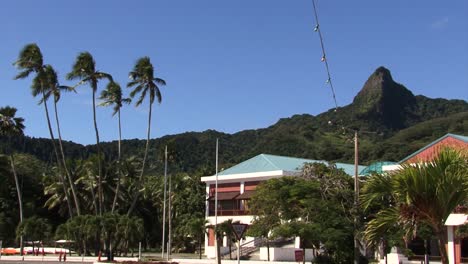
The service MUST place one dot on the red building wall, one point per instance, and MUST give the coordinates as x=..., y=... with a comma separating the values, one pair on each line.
x=225, y=187
x=432, y=151
x=250, y=186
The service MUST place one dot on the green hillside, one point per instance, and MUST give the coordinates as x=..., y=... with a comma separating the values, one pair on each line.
x=392, y=123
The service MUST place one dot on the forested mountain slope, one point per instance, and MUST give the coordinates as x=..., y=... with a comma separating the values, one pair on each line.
x=392, y=123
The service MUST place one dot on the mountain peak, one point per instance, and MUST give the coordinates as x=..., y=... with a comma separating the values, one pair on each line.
x=374, y=87
x=384, y=100
x=383, y=71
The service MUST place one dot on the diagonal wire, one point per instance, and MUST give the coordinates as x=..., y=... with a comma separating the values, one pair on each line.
x=324, y=57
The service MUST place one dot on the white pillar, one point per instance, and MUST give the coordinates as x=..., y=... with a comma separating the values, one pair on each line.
x=297, y=242
x=450, y=245
x=207, y=202
x=242, y=187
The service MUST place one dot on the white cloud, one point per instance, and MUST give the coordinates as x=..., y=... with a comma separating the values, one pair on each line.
x=440, y=23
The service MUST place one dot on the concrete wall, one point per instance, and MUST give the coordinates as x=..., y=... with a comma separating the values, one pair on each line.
x=210, y=252
x=283, y=254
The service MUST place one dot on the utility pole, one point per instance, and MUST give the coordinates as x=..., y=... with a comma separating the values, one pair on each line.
x=169, y=235
x=163, y=244
x=357, y=252
x=218, y=259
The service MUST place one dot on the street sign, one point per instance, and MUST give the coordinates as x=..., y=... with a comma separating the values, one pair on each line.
x=239, y=229
x=298, y=255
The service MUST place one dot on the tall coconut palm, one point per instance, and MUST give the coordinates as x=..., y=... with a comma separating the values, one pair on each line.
x=30, y=60
x=54, y=88
x=11, y=126
x=112, y=96
x=84, y=69
x=144, y=83
x=424, y=194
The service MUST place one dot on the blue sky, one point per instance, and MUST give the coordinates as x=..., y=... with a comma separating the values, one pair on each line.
x=232, y=65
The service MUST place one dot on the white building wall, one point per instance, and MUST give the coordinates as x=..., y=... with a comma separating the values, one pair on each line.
x=284, y=254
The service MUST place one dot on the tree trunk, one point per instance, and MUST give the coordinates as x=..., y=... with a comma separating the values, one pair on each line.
x=441, y=235
x=218, y=248
x=268, y=248
x=230, y=247
x=64, y=163
x=140, y=179
x=93, y=196
x=199, y=246
x=67, y=195
x=98, y=153
x=117, y=188
x=20, y=198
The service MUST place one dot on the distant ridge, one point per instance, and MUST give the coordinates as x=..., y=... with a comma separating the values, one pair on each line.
x=400, y=121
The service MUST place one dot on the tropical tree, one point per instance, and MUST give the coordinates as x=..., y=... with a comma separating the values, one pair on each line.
x=54, y=190
x=422, y=194
x=225, y=229
x=11, y=126
x=144, y=83
x=112, y=96
x=196, y=227
x=30, y=60
x=55, y=89
x=84, y=69
x=34, y=229
x=316, y=207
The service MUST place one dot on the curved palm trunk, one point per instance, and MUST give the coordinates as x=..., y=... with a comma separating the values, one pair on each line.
x=93, y=196
x=67, y=195
x=99, y=155
x=64, y=163
x=442, y=242
x=117, y=189
x=140, y=180
x=20, y=199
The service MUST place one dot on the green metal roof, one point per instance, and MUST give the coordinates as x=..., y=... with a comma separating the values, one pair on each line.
x=376, y=167
x=267, y=162
x=459, y=137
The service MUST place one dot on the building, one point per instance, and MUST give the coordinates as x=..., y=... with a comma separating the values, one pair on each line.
x=456, y=248
x=236, y=186
x=428, y=152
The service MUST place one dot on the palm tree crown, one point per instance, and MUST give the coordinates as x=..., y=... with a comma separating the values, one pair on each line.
x=29, y=60
x=10, y=125
x=112, y=95
x=47, y=80
x=142, y=78
x=85, y=70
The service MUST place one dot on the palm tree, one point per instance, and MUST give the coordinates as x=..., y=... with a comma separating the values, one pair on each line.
x=85, y=70
x=142, y=78
x=425, y=194
x=112, y=96
x=196, y=227
x=29, y=61
x=11, y=126
x=54, y=88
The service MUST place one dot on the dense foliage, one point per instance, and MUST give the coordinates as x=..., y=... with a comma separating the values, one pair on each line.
x=417, y=196
x=317, y=207
x=98, y=188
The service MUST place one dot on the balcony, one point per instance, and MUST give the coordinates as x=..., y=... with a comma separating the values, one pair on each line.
x=229, y=212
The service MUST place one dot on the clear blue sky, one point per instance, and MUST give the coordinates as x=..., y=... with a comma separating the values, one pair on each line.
x=232, y=65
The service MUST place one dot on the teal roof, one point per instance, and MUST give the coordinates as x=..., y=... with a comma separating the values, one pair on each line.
x=267, y=162
x=459, y=137
x=376, y=167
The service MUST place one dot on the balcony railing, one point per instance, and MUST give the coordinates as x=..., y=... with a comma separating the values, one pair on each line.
x=229, y=212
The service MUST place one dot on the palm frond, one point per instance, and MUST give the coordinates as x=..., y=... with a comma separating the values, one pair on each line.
x=159, y=81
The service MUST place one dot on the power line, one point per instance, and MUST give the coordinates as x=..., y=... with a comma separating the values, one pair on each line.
x=324, y=57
